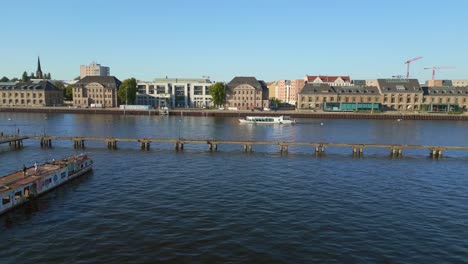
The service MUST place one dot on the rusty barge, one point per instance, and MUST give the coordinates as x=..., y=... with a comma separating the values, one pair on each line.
x=21, y=186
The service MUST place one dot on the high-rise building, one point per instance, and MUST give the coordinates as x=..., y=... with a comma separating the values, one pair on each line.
x=287, y=90
x=94, y=69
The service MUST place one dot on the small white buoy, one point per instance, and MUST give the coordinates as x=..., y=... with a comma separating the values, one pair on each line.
x=398, y=120
x=321, y=124
x=9, y=119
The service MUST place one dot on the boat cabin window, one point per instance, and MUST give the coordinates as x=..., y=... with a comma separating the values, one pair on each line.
x=18, y=195
x=26, y=192
x=6, y=200
x=63, y=175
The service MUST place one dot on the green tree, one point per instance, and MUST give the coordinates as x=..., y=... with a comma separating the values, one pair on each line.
x=14, y=80
x=218, y=93
x=59, y=85
x=31, y=76
x=4, y=79
x=68, y=92
x=24, y=78
x=77, y=78
x=275, y=102
x=127, y=91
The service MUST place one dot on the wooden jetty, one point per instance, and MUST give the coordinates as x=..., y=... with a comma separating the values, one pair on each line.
x=319, y=148
x=12, y=140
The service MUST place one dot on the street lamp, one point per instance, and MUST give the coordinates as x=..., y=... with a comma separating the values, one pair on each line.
x=180, y=121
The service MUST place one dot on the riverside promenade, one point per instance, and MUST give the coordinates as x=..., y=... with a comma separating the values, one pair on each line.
x=391, y=115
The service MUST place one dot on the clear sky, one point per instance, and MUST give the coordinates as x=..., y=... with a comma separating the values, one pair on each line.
x=270, y=40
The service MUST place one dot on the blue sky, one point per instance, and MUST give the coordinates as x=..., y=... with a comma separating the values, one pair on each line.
x=267, y=39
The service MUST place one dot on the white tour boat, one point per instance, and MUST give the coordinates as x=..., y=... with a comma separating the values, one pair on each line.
x=267, y=120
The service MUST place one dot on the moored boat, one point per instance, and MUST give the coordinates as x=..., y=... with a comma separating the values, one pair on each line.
x=21, y=186
x=267, y=120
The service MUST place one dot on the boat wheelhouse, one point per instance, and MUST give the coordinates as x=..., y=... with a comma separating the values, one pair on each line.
x=267, y=120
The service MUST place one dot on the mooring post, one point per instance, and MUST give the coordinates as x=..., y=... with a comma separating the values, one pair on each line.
x=210, y=147
x=245, y=148
x=439, y=155
x=216, y=147
x=400, y=152
x=280, y=148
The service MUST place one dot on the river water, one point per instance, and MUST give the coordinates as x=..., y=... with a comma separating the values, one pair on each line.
x=196, y=206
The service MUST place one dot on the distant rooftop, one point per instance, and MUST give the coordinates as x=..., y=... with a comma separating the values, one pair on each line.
x=182, y=80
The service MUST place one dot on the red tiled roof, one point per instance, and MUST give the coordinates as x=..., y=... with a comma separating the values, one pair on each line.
x=326, y=78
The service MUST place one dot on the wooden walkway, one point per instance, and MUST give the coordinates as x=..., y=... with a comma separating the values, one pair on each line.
x=14, y=141
x=283, y=146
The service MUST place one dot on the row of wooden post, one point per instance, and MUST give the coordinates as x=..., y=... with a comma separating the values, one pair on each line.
x=145, y=145
x=17, y=144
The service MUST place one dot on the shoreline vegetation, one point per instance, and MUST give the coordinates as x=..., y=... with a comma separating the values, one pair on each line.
x=396, y=115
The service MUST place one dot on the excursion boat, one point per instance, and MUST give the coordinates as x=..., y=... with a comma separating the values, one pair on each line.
x=267, y=120
x=21, y=186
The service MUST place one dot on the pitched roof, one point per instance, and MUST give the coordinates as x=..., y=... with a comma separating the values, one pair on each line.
x=252, y=81
x=316, y=88
x=326, y=78
x=399, y=86
x=357, y=89
x=106, y=81
x=445, y=91
x=30, y=85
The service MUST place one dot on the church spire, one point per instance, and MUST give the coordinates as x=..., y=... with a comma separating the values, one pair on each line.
x=39, y=71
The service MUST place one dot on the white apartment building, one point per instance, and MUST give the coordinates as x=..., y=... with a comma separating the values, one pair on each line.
x=94, y=69
x=175, y=92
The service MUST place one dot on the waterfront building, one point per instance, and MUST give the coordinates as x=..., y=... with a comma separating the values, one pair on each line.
x=445, y=99
x=100, y=90
x=460, y=83
x=331, y=80
x=31, y=93
x=246, y=93
x=322, y=96
x=287, y=90
x=400, y=94
x=175, y=93
x=94, y=69
x=440, y=83
x=272, y=90
x=372, y=82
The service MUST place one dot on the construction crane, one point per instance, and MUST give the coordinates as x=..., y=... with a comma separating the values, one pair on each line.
x=434, y=68
x=397, y=76
x=408, y=63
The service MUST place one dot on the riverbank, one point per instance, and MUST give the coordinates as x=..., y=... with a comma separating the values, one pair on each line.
x=241, y=113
